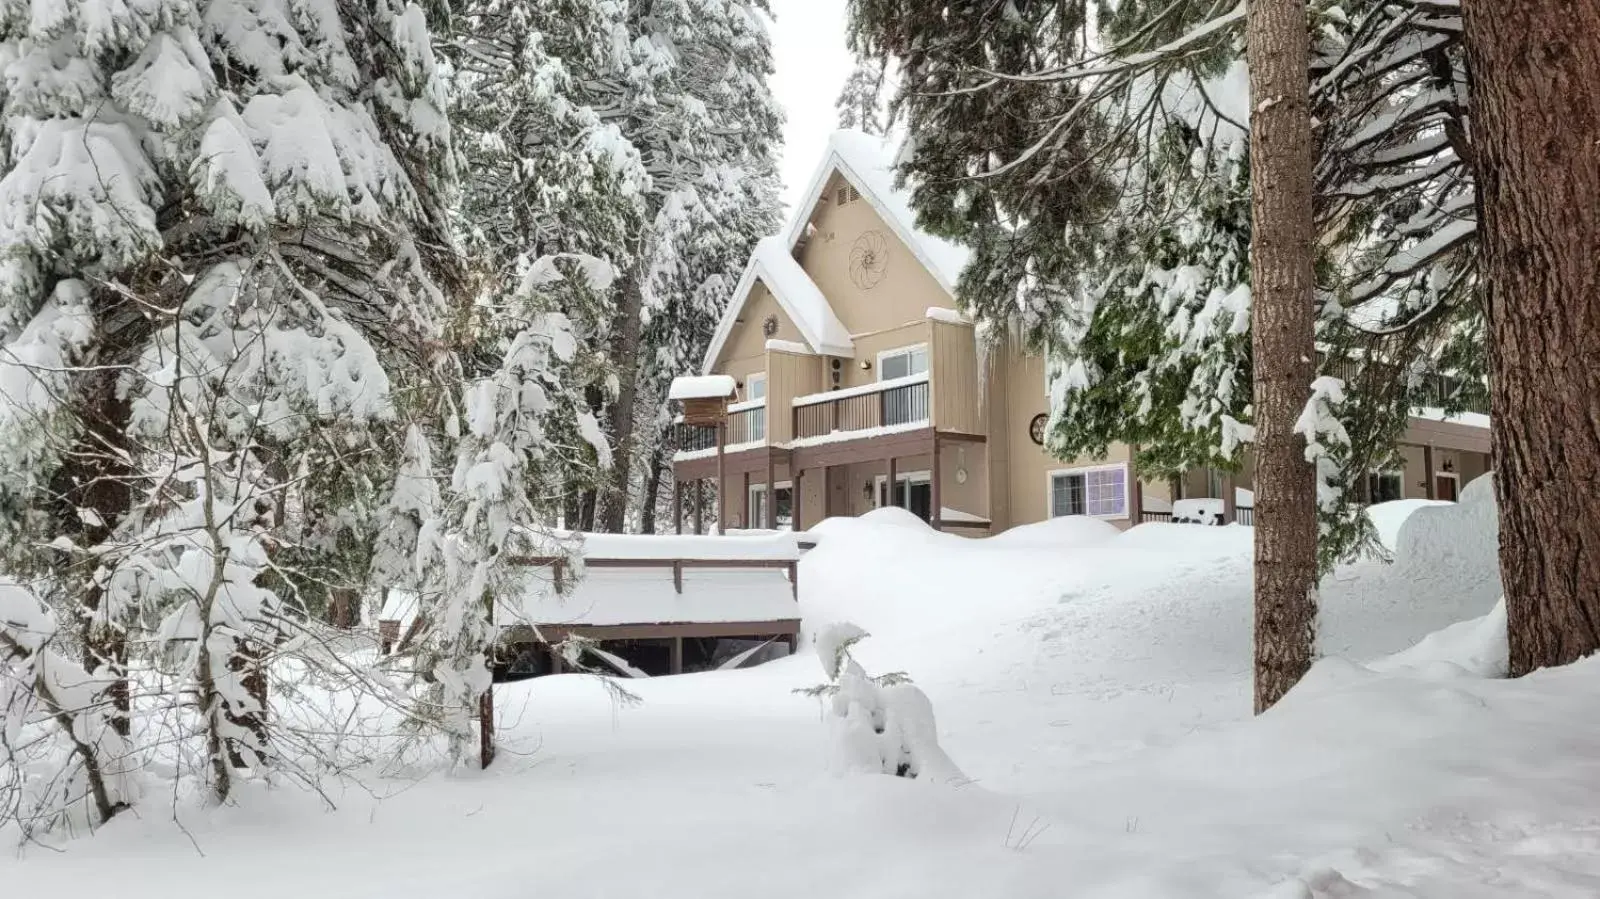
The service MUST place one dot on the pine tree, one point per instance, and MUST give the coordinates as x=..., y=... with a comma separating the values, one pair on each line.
x=861, y=100
x=1282, y=257
x=227, y=222
x=1536, y=132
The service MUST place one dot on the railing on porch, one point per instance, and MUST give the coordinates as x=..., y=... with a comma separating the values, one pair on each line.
x=1244, y=515
x=745, y=425
x=862, y=409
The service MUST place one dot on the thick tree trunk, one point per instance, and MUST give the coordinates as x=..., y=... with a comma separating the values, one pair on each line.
x=96, y=476
x=652, y=490
x=1282, y=344
x=614, y=505
x=1536, y=134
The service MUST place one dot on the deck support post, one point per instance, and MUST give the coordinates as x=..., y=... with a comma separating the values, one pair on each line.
x=934, y=499
x=797, y=499
x=1230, y=513
x=744, y=501
x=771, y=503
x=677, y=505
x=675, y=656
x=891, y=488
x=1427, y=472
x=1135, y=489
x=699, y=504
x=722, y=477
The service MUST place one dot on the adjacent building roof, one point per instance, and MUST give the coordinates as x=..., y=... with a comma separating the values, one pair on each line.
x=868, y=163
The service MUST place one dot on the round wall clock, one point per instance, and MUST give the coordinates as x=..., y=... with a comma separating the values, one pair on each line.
x=1036, y=428
x=869, y=259
x=769, y=327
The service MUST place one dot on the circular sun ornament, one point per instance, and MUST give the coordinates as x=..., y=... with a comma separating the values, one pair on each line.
x=769, y=326
x=1036, y=428
x=869, y=259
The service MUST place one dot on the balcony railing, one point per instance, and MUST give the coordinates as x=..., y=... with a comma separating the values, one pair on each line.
x=747, y=423
x=903, y=401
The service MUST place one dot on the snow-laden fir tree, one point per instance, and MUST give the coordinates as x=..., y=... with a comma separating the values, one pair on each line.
x=1135, y=156
x=861, y=102
x=223, y=255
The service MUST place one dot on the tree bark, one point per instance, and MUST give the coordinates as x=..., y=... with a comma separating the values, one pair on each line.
x=1283, y=343
x=652, y=490
x=614, y=505
x=1536, y=134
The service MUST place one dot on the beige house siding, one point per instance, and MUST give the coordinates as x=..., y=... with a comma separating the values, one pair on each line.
x=868, y=346
x=746, y=341
x=997, y=427
x=788, y=375
x=953, y=358
x=906, y=290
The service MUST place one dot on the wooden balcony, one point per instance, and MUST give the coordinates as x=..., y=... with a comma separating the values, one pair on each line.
x=747, y=426
x=884, y=407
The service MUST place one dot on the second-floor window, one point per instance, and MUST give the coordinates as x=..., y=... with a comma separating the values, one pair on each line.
x=755, y=387
x=902, y=363
x=907, y=403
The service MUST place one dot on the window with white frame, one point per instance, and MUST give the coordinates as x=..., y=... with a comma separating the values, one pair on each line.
x=755, y=387
x=903, y=362
x=1099, y=492
x=1386, y=486
x=783, y=513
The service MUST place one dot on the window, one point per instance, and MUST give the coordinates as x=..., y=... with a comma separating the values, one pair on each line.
x=903, y=362
x=913, y=492
x=755, y=387
x=1386, y=486
x=1099, y=492
x=758, y=506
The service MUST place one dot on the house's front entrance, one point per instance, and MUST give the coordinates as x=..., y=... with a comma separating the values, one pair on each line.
x=1446, y=485
x=913, y=492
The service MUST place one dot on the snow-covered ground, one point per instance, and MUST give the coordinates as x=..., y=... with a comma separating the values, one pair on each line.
x=1092, y=686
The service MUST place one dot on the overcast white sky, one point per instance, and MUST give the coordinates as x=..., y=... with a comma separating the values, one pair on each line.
x=808, y=47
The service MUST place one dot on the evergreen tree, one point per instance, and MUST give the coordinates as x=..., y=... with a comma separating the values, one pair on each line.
x=861, y=102
x=223, y=248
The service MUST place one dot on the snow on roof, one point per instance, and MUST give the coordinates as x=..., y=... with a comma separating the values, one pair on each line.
x=648, y=596
x=868, y=162
x=1434, y=413
x=764, y=546
x=788, y=346
x=797, y=296
x=701, y=387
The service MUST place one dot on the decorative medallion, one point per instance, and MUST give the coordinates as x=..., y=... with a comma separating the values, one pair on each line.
x=869, y=259
x=769, y=326
x=1036, y=428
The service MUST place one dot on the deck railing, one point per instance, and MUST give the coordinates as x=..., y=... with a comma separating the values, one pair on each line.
x=1244, y=515
x=745, y=425
x=862, y=409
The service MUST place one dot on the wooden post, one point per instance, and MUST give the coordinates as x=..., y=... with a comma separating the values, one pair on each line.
x=934, y=499
x=1427, y=472
x=745, y=499
x=772, y=496
x=675, y=659
x=722, y=477
x=677, y=575
x=699, y=504
x=1230, y=514
x=794, y=579
x=677, y=505
x=556, y=665
x=797, y=499
x=1135, y=496
x=891, y=493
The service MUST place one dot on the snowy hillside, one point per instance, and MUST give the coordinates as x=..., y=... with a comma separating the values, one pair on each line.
x=1094, y=687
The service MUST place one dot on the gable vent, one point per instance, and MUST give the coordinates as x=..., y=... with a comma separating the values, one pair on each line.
x=847, y=193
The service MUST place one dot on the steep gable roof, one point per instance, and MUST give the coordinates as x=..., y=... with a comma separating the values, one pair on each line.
x=797, y=296
x=868, y=163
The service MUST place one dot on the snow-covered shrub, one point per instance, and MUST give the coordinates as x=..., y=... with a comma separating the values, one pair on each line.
x=880, y=725
x=67, y=761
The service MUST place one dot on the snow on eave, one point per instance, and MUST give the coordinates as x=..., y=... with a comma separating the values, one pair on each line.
x=789, y=346
x=702, y=387
x=797, y=296
x=868, y=163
